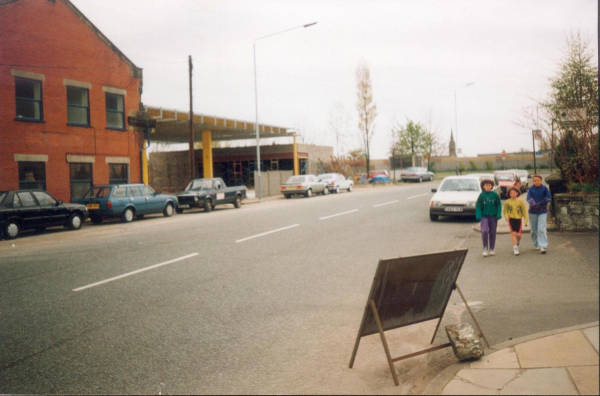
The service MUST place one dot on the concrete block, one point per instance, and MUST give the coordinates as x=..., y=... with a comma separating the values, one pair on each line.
x=465, y=342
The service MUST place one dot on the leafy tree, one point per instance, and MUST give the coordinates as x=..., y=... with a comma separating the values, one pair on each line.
x=367, y=110
x=411, y=139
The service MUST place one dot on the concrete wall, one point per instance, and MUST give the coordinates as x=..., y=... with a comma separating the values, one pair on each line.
x=271, y=181
x=513, y=161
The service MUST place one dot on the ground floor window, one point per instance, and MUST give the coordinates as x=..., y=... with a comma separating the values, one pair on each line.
x=118, y=173
x=32, y=175
x=81, y=178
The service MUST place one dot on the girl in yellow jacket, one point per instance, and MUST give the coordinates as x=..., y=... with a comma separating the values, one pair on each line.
x=515, y=212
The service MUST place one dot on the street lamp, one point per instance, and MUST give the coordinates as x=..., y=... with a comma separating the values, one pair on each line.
x=258, y=185
x=456, y=123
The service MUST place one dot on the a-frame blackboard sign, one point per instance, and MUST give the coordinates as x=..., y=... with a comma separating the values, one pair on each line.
x=411, y=290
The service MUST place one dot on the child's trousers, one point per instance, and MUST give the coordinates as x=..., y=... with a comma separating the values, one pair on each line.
x=488, y=231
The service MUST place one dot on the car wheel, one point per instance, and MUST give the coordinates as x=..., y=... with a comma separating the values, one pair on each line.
x=237, y=202
x=421, y=179
x=350, y=188
x=127, y=215
x=208, y=205
x=168, y=211
x=75, y=221
x=96, y=219
x=433, y=217
x=431, y=179
x=337, y=189
x=308, y=193
x=12, y=230
x=325, y=191
x=287, y=196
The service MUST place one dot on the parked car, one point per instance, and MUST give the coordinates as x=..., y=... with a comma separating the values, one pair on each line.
x=416, y=174
x=379, y=179
x=305, y=185
x=336, y=182
x=488, y=176
x=126, y=201
x=507, y=180
x=208, y=193
x=456, y=196
x=524, y=178
x=36, y=209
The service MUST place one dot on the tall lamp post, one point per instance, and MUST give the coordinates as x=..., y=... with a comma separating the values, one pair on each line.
x=456, y=123
x=258, y=185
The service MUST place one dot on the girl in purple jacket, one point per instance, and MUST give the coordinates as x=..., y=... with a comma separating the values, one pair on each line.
x=538, y=198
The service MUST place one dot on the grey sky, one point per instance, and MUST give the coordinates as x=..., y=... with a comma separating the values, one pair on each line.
x=418, y=51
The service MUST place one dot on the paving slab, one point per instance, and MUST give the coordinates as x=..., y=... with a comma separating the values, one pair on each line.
x=586, y=379
x=480, y=382
x=504, y=359
x=592, y=335
x=560, y=350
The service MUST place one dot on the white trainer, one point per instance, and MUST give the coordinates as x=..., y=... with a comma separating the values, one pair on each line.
x=485, y=252
x=516, y=250
x=492, y=253
x=543, y=250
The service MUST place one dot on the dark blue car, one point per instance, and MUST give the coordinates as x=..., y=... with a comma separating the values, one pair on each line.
x=126, y=201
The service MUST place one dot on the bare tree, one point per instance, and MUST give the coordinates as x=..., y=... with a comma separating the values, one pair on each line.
x=367, y=110
x=338, y=121
x=437, y=145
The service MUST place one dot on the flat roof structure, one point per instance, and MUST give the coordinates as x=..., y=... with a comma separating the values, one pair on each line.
x=173, y=126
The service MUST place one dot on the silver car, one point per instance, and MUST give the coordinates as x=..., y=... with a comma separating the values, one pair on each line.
x=336, y=182
x=306, y=185
x=416, y=174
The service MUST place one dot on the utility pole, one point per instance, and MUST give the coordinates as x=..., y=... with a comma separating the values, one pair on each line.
x=192, y=159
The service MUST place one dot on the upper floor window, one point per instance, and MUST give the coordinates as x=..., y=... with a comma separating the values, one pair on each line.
x=115, y=111
x=29, y=99
x=78, y=107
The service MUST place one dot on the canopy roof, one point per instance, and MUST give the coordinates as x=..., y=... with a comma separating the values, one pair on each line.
x=174, y=127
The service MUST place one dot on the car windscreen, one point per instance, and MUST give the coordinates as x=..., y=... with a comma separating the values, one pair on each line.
x=199, y=185
x=460, y=185
x=296, y=179
x=505, y=176
x=97, y=192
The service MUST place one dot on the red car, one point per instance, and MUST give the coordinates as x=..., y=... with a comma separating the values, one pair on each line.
x=506, y=181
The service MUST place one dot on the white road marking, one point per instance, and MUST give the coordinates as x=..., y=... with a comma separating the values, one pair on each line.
x=135, y=272
x=417, y=196
x=339, y=214
x=267, y=233
x=387, y=203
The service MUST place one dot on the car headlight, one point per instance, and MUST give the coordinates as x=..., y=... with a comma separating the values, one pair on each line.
x=471, y=204
x=195, y=199
x=436, y=203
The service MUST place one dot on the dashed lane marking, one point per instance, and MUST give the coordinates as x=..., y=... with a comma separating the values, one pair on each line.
x=267, y=233
x=338, y=214
x=386, y=203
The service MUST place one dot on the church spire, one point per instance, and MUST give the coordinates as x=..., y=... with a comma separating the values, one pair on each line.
x=451, y=146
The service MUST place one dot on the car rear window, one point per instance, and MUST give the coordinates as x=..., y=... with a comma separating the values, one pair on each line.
x=97, y=192
x=120, y=192
x=296, y=179
x=505, y=176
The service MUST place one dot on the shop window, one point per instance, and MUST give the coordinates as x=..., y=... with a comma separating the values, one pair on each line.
x=32, y=175
x=115, y=111
x=118, y=174
x=78, y=107
x=81, y=179
x=29, y=99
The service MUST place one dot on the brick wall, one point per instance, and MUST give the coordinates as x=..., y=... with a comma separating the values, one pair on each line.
x=55, y=42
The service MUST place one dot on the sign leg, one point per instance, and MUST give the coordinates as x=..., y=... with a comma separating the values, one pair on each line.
x=472, y=316
x=384, y=342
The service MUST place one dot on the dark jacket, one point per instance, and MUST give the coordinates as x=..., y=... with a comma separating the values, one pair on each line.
x=538, y=199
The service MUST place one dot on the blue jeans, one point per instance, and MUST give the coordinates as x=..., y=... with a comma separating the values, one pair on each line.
x=538, y=229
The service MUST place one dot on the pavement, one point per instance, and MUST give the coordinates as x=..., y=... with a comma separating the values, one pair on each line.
x=559, y=362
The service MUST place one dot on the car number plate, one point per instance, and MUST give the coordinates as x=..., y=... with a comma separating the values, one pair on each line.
x=93, y=206
x=183, y=206
x=453, y=209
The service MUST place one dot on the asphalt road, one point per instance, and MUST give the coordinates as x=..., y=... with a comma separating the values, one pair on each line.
x=265, y=299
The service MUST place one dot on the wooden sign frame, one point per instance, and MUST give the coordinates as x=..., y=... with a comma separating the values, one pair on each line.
x=371, y=308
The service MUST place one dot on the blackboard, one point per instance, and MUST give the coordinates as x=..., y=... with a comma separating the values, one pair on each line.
x=411, y=290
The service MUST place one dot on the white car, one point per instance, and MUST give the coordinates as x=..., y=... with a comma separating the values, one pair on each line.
x=456, y=197
x=488, y=176
x=306, y=185
x=336, y=182
x=524, y=176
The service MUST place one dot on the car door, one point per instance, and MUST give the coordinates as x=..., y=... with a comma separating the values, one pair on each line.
x=156, y=202
x=28, y=210
x=142, y=206
x=52, y=212
x=219, y=192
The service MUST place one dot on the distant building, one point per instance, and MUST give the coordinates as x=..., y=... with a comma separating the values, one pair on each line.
x=66, y=92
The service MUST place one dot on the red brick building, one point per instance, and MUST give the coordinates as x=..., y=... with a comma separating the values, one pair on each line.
x=65, y=94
